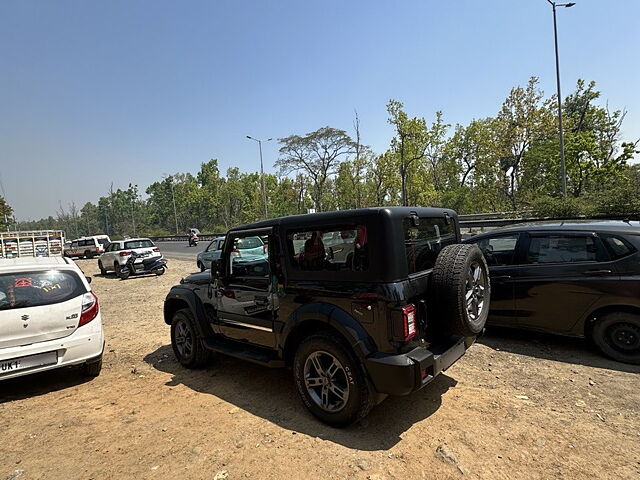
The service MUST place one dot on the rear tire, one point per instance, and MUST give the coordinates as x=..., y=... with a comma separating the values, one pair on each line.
x=345, y=396
x=88, y=255
x=116, y=268
x=617, y=335
x=93, y=369
x=159, y=271
x=102, y=269
x=461, y=289
x=201, y=267
x=186, y=344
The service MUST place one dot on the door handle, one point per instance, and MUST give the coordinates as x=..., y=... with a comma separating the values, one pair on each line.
x=501, y=278
x=597, y=272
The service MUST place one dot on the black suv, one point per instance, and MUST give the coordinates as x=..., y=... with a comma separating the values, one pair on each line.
x=577, y=278
x=360, y=303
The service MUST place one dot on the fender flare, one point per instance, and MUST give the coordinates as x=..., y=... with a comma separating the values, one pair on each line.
x=337, y=318
x=177, y=298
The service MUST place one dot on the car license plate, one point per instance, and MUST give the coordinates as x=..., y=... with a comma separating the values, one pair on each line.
x=31, y=361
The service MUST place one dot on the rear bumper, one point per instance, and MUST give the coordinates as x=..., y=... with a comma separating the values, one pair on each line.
x=408, y=372
x=86, y=344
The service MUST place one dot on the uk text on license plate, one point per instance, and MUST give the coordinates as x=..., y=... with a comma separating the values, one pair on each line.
x=31, y=361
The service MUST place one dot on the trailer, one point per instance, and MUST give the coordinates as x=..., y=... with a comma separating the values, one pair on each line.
x=35, y=243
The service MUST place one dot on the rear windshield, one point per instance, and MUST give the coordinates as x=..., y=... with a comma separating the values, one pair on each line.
x=249, y=242
x=138, y=244
x=424, y=241
x=30, y=289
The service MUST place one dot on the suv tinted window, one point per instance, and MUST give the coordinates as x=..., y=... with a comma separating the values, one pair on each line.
x=424, y=241
x=30, y=289
x=562, y=249
x=337, y=248
x=138, y=244
x=499, y=250
x=617, y=246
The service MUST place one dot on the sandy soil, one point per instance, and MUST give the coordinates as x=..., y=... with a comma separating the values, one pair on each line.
x=516, y=406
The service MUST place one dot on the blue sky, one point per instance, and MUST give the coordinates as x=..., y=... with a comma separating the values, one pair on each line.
x=124, y=91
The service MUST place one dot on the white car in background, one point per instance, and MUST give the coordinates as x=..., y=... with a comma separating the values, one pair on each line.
x=49, y=317
x=118, y=252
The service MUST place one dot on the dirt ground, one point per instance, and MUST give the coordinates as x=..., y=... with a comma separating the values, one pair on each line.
x=517, y=405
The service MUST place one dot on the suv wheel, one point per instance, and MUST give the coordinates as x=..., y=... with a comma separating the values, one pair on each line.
x=617, y=335
x=116, y=268
x=88, y=254
x=462, y=289
x=330, y=381
x=201, y=266
x=187, y=346
x=102, y=269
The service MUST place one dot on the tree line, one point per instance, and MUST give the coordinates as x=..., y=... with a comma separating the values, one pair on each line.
x=507, y=162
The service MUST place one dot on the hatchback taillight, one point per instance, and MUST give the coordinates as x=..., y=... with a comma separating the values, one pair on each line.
x=90, y=308
x=124, y=253
x=409, y=322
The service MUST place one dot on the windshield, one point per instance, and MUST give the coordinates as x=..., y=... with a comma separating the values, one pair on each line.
x=138, y=244
x=30, y=289
x=249, y=242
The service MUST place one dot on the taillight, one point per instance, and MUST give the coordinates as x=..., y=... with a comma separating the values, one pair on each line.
x=156, y=249
x=90, y=308
x=124, y=253
x=409, y=322
x=264, y=248
x=235, y=253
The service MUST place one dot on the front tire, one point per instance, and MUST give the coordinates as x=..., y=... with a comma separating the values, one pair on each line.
x=103, y=271
x=185, y=342
x=330, y=381
x=201, y=266
x=617, y=335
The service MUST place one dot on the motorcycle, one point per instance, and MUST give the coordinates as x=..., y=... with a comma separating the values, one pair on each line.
x=155, y=265
x=193, y=240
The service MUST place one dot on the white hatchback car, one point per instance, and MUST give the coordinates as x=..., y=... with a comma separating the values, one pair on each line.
x=49, y=317
x=118, y=252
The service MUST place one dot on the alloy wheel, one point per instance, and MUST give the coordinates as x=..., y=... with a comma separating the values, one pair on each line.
x=475, y=291
x=326, y=381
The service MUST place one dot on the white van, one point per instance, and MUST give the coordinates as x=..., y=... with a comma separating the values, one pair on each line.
x=87, y=247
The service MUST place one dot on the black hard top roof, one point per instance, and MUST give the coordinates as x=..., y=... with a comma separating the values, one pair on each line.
x=620, y=226
x=345, y=215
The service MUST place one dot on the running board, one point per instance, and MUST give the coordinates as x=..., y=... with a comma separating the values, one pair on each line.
x=243, y=351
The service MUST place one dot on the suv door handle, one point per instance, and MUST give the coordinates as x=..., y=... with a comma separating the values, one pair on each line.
x=597, y=272
x=501, y=277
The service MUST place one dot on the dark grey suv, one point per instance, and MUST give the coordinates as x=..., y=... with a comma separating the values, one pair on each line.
x=578, y=278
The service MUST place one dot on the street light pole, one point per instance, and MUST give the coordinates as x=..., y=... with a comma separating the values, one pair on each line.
x=264, y=193
x=133, y=206
x=563, y=169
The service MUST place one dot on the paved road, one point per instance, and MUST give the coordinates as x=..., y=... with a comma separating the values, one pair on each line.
x=180, y=250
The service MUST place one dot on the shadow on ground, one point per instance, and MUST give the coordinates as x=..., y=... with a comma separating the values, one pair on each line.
x=551, y=347
x=271, y=394
x=41, y=383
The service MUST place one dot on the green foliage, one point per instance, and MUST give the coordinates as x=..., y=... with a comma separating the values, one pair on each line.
x=501, y=163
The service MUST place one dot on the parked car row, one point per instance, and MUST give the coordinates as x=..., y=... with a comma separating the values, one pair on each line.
x=360, y=304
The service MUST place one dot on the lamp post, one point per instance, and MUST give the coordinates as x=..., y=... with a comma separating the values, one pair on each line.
x=133, y=206
x=173, y=195
x=264, y=193
x=563, y=170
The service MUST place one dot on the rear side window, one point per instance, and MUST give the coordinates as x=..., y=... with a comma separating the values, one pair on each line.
x=337, y=248
x=248, y=242
x=617, y=247
x=103, y=241
x=31, y=289
x=562, y=249
x=424, y=241
x=138, y=244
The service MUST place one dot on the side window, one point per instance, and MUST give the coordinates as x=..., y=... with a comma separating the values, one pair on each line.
x=336, y=248
x=424, y=241
x=499, y=250
x=562, y=249
x=74, y=244
x=617, y=247
x=248, y=258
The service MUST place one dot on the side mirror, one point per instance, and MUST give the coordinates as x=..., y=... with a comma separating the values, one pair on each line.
x=89, y=279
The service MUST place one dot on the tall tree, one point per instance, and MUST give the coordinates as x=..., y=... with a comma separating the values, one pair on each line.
x=317, y=154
